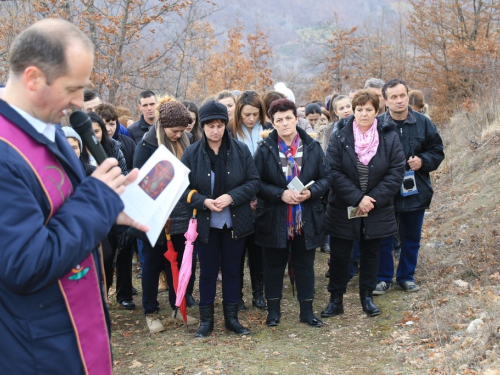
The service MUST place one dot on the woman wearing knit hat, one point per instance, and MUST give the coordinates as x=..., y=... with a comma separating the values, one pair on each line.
x=75, y=142
x=173, y=118
x=224, y=174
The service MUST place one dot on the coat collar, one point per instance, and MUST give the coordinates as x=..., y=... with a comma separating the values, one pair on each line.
x=388, y=121
x=60, y=148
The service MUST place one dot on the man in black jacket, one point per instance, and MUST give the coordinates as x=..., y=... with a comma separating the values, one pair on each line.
x=423, y=148
x=147, y=106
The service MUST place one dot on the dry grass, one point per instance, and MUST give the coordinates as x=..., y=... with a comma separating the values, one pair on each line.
x=418, y=333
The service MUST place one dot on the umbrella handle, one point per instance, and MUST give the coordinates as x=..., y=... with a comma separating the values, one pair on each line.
x=190, y=195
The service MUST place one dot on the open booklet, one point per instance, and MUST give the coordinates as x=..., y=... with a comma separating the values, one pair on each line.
x=151, y=198
x=352, y=213
x=298, y=186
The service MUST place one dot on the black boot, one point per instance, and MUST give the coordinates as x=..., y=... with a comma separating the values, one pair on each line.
x=231, y=319
x=190, y=301
x=325, y=248
x=258, y=292
x=206, y=321
x=241, y=303
x=273, y=312
x=335, y=306
x=367, y=303
x=307, y=315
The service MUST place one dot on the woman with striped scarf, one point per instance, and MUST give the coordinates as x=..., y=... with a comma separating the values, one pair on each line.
x=289, y=224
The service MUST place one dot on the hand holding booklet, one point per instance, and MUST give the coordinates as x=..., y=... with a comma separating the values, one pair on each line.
x=151, y=198
x=298, y=186
x=352, y=213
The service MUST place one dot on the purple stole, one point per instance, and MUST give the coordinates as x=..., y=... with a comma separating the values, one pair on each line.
x=80, y=286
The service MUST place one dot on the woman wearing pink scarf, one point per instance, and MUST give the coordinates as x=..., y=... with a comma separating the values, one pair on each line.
x=367, y=164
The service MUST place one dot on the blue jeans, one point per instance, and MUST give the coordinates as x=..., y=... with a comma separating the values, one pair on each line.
x=410, y=231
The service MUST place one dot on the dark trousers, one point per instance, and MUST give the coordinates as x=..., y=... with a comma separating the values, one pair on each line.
x=178, y=240
x=123, y=268
x=410, y=231
x=340, y=258
x=255, y=261
x=221, y=251
x=154, y=263
x=275, y=261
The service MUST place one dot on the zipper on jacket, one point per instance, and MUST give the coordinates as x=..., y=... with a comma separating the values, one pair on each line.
x=232, y=235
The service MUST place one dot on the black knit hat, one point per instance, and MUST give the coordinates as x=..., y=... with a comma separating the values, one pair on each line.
x=213, y=111
x=172, y=114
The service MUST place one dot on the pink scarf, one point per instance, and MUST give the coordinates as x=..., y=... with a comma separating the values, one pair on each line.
x=366, y=144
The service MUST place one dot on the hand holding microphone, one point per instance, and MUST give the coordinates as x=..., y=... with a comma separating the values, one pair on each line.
x=82, y=124
x=108, y=171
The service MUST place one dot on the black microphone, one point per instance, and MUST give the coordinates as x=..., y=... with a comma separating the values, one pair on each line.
x=82, y=124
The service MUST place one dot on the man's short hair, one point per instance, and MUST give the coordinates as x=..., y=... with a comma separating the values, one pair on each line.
x=44, y=45
x=392, y=83
x=89, y=95
x=374, y=83
x=146, y=94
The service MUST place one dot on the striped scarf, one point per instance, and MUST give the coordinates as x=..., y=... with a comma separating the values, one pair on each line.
x=294, y=215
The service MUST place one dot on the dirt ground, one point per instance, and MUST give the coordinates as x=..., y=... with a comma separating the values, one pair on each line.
x=451, y=326
x=350, y=344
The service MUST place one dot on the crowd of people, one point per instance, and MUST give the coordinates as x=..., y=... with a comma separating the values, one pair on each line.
x=362, y=160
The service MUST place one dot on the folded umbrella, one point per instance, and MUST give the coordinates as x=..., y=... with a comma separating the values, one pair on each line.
x=187, y=259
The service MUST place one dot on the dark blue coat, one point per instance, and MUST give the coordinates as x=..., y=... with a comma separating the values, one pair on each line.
x=36, y=333
x=427, y=144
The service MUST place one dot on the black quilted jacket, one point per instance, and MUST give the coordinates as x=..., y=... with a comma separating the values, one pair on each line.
x=271, y=216
x=385, y=176
x=242, y=184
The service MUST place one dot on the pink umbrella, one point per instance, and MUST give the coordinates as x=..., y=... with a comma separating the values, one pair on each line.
x=187, y=259
x=171, y=255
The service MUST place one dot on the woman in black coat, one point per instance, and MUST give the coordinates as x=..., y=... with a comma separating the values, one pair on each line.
x=367, y=164
x=169, y=131
x=224, y=174
x=289, y=222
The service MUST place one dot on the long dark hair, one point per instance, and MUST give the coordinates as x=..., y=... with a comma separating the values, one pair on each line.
x=196, y=131
x=106, y=142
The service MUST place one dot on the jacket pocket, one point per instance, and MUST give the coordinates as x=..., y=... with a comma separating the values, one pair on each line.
x=319, y=218
x=264, y=220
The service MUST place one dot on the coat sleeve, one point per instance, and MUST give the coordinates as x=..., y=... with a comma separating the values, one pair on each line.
x=122, y=163
x=268, y=192
x=197, y=200
x=432, y=152
x=341, y=184
x=385, y=190
x=245, y=192
x=141, y=155
x=35, y=255
x=324, y=178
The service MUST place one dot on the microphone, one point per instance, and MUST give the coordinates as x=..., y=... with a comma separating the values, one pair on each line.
x=82, y=124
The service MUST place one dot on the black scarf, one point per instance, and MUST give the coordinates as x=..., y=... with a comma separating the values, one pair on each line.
x=218, y=165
